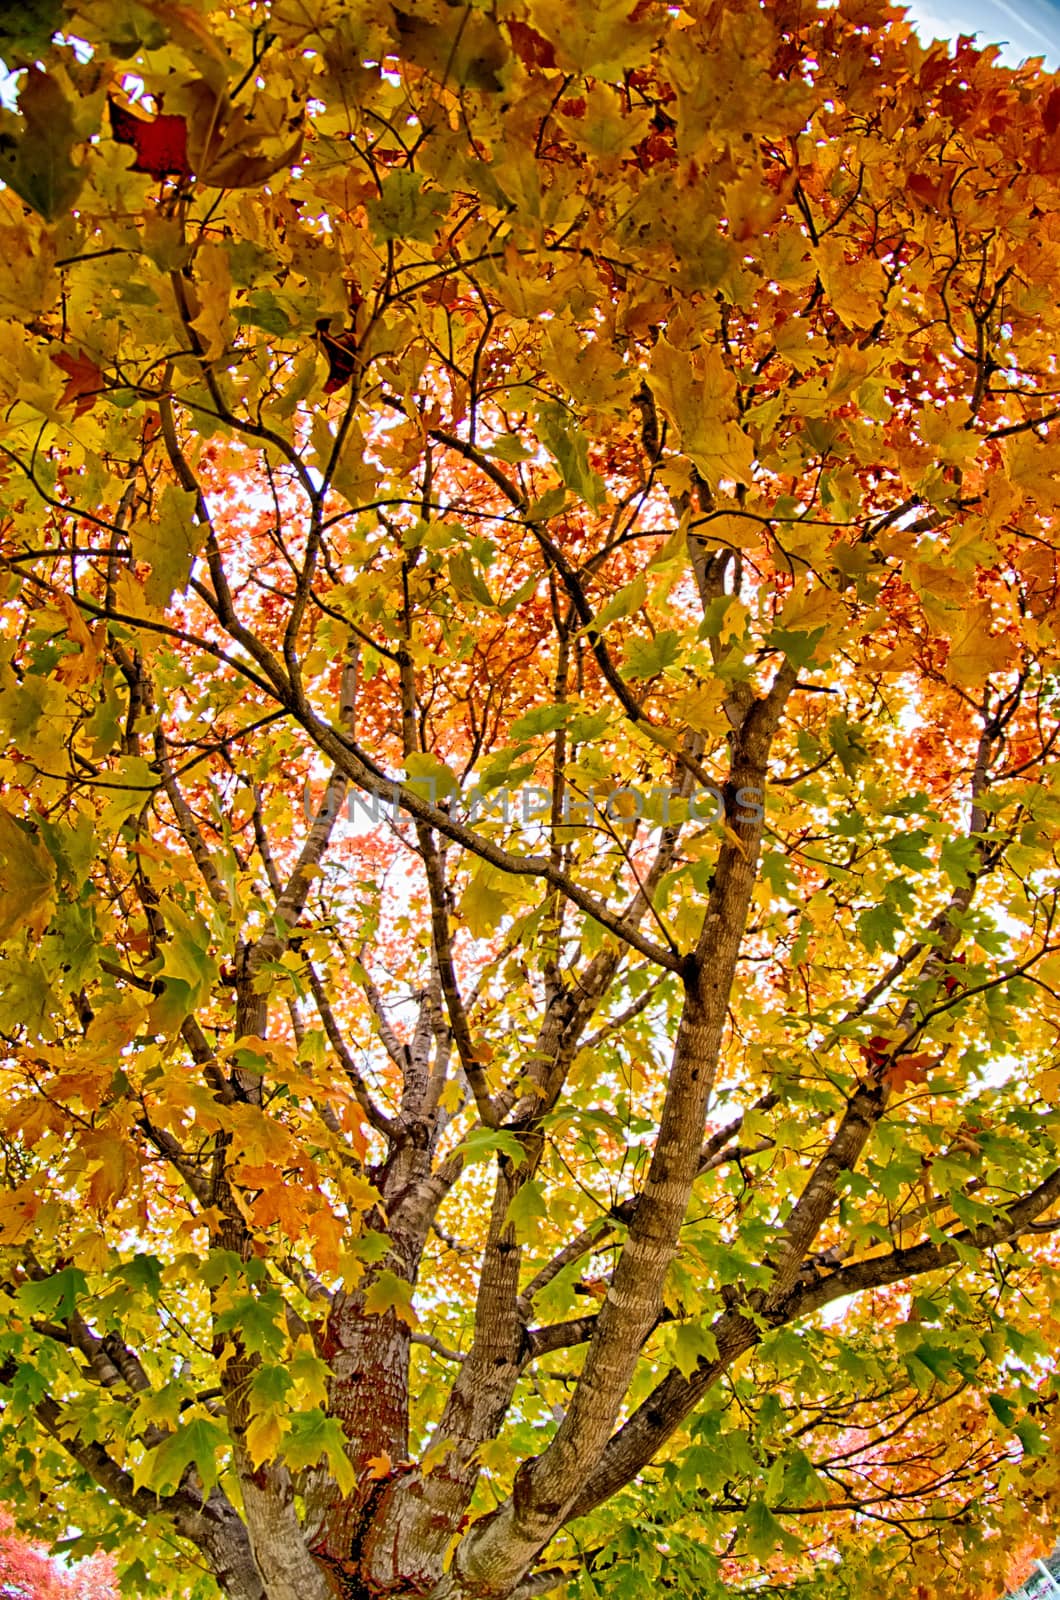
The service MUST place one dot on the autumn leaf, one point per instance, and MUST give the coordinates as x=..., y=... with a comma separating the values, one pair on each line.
x=976, y=651
x=907, y=1070
x=697, y=393
x=340, y=351
x=28, y=895
x=35, y=159
x=84, y=381
x=161, y=143
x=388, y=1292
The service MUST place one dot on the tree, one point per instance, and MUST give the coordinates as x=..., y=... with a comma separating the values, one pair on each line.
x=27, y=1573
x=529, y=688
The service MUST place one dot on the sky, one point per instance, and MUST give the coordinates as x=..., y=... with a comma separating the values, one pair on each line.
x=1026, y=27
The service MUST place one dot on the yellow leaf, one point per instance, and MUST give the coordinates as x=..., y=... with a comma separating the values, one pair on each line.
x=378, y=1466
x=804, y=611
x=435, y=1454
x=263, y=1437
x=702, y=708
x=944, y=429
x=28, y=898
x=734, y=839
x=1049, y=1085
x=18, y=1211
x=388, y=1292
x=975, y=652
x=600, y=39
x=76, y=670
x=1033, y=465
x=213, y=289
x=857, y=293
x=698, y=395
x=310, y=1373
x=484, y=903
x=605, y=127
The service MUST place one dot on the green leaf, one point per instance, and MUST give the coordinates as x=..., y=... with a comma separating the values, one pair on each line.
x=56, y=1296
x=26, y=29
x=35, y=160
x=522, y=594
x=1030, y=1437
x=186, y=955
x=143, y=1273
x=511, y=448
x=846, y=740
x=569, y=447
x=763, y=1533
x=264, y=311
x=27, y=895
x=429, y=776
x=312, y=1435
x=482, y=1143
x=629, y=599
x=542, y=719
x=132, y=782
x=405, y=210
x=799, y=647
x=527, y=1212
x=388, y=1292
x=908, y=850
x=168, y=544
x=878, y=927
x=270, y=1386
x=468, y=581
x=258, y=1320
x=194, y=1445
x=551, y=503
x=26, y=998
x=1003, y=1409
x=646, y=658
x=692, y=1343
x=958, y=858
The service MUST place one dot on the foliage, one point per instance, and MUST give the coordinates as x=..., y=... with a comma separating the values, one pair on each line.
x=27, y=1573
x=616, y=445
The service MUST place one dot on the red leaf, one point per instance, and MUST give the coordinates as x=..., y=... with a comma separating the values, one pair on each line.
x=910, y=1069
x=341, y=351
x=1051, y=113
x=950, y=982
x=161, y=145
x=877, y=1049
x=535, y=50
x=923, y=187
x=85, y=381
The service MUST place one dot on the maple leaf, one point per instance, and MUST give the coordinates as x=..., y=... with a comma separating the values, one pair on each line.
x=161, y=144
x=340, y=350
x=531, y=46
x=85, y=381
x=911, y=1069
x=977, y=650
x=35, y=158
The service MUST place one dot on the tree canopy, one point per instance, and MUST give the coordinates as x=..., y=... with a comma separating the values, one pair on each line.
x=529, y=955
x=27, y=1572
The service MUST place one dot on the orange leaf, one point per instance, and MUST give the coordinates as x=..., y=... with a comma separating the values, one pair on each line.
x=84, y=380
x=910, y=1069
